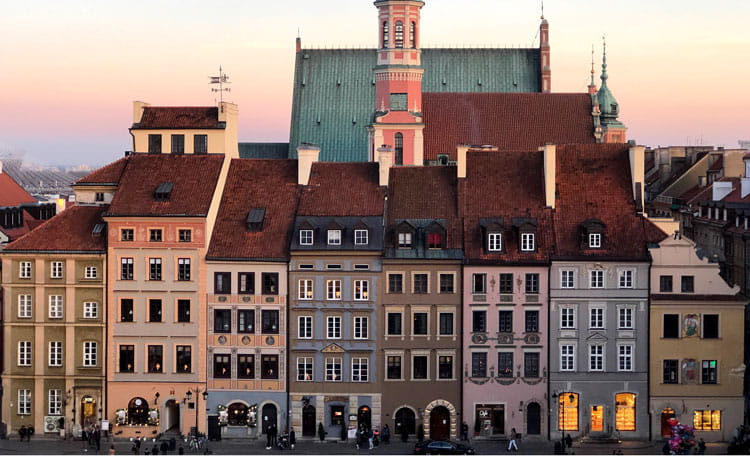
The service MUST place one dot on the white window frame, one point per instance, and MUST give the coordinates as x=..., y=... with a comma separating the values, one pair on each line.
x=452, y=356
x=528, y=241
x=414, y=355
x=56, y=270
x=90, y=309
x=595, y=240
x=334, y=237
x=25, y=306
x=333, y=290
x=568, y=357
x=404, y=240
x=55, y=354
x=361, y=237
x=90, y=354
x=357, y=365
x=54, y=402
x=305, y=327
x=361, y=290
x=55, y=306
x=361, y=327
x=331, y=364
x=24, y=402
x=568, y=278
x=308, y=363
x=91, y=272
x=596, y=352
x=564, y=318
x=626, y=278
x=305, y=290
x=602, y=318
x=596, y=278
x=333, y=327
x=625, y=357
x=24, y=270
x=24, y=353
x=305, y=237
x=626, y=311
x=495, y=242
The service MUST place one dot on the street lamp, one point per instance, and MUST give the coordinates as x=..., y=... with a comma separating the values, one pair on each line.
x=198, y=393
x=571, y=398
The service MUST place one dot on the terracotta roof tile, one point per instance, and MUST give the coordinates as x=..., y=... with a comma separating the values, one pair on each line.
x=107, y=174
x=194, y=178
x=70, y=230
x=255, y=183
x=653, y=233
x=511, y=121
x=342, y=190
x=179, y=117
x=12, y=194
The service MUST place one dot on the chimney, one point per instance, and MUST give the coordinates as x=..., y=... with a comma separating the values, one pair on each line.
x=385, y=161
x=720, y=190
x=1, y=166
x=637, y=164
x=746, y=159
x=743, y=192
x=550, y=163
x=228, y=113
x=138, y=110
x=461, y=151
x=307, y=154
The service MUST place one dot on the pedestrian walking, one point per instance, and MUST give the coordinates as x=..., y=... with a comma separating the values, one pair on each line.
x=512, y=442
x=568, y=441
x=274, y=434
x=369, y=438
x=22, y=432
x=97, y=438
x=702, y=446
x=292, y=438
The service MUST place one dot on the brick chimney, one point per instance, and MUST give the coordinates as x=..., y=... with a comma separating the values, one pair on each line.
x=307, y=154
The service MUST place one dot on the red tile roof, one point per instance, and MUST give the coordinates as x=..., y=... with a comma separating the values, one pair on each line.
x=194, y=178
x=511, y=121
x=12, y=194
x=342, y=190
x=70, y=230
x=107, y=174
x=653, y=233
x=179, y=117
x=268, y=184
x=429, y=192
x=593, y=181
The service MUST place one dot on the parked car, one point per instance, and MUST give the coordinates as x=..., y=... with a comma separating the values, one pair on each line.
x=442, y=447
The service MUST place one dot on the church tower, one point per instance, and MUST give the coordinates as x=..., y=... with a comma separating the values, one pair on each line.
x=398, y=82
x=613, y=129
x=544, y=52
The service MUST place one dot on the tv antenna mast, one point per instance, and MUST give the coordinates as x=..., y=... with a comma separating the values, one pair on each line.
x=221, y=80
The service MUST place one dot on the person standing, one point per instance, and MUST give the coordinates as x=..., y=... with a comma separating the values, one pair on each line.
x=386, y=434
x=568, y=441
x=274, y=434
x=512, y=442
x=97, y=438
x=369, y=438
x=465, y=431
x=268, y=436
x=292, y=438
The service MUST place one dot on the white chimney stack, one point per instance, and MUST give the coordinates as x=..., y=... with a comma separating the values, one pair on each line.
x=550, y=162
x=745, y=181
x=720, y=190
x=461, y=151
x=307, y=154
x=385, y=161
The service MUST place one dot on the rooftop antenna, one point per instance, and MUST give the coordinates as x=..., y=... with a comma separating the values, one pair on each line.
x=542, y=10
x=221, y=79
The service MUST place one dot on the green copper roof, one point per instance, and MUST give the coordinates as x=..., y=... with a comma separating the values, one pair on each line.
x=263, y=150
x=607, y=103
x=334, y=90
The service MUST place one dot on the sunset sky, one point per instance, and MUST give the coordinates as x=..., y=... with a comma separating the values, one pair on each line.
x=71, y=69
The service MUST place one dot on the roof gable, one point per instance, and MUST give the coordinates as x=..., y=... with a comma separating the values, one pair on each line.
x=190, y=117
x=107, y=174
x=12, y=194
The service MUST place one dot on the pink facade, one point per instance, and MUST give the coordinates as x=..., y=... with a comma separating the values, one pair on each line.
x=505, y=353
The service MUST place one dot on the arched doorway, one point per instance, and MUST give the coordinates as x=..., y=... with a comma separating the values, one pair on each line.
x=405, y=421
x=440, y=423
x=138, y=411
x=533, y=419
x=88, y=411
x=171, y=415
x=666, y=415
x=268, y=414
x=237, y=414
x=364, y=417
x=308, y=421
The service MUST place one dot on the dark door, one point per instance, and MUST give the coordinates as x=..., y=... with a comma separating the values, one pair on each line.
x=308, y=421
x=666, y=415
x=533, y=419
x=405, y=420
x=364, y=417
x=440, y=423
x=269, y=416
x=498, y=420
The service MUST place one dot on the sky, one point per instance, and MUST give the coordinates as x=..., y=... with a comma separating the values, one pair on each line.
x=69, y=71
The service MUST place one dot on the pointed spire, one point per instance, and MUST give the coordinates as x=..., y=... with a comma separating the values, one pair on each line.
x=607, y=102
x=592, y=66
x=542, y=10
x=604, y=61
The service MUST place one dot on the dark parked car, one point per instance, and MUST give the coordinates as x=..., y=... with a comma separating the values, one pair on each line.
x=442, y=447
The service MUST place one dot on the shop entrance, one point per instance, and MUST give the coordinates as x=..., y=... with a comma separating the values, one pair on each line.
x=597, y=418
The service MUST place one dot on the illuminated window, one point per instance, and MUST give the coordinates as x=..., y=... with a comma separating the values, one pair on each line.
x=707, y=420
x=399, y=34
x=567, y=412
x=625, y=412
x=333, y=288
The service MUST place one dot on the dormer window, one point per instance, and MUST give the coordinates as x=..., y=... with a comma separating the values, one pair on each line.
x=254, y=220
x=305, y=237
x=595, y=240
x=592, y=234
x=360, y=237
x=404, y=240
x=528, y=242
x=163, y=191
x=434, y=240
x=495, y=242
x=334, y=237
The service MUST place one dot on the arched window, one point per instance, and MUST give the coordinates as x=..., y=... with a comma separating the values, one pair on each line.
x=138, y=411
x=399, y=35
x=386, y=34
x=399, y=148
x=413, y=34
x=405, y=420
x=237, y=412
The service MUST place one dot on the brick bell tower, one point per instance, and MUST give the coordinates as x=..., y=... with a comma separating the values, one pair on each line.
x=398, y=82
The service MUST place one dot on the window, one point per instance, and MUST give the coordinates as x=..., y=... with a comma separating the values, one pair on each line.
x=126, y=310
x=567, y=278
x=412, y=35
x=707, y=420
x=55, y=306
x=126, y=269
x=90, y=354
x=567, y=412
x=531, y=365
x=531, y=321
x=183, y=269
x=245, y=366
x=360, y=237
x=24, y=270
x=445, y=324
x=446, y=283
x=394, y=324
x=398, y=35
x=527, y=242
x=398, y=102
x=596, y=278
x=56, y=270
x=361, y=290
x=688, y=284
x=404, y=240
x=625, y=279
x=333, y=369
x=222, y=320
x=269, y=321
x=398, y=138
x=24, y=353
x=708, y=372
x=625, y=357
x=246, y=283
x=360, y=369
x=665, y=284
x=532, y=283
x=360, y=328
x=127, y=358
x=200, y=144
x=91, y=272
x=222, y=282
x=337, y=415
x=185, y=235
x=305, y=237
x=625, y=318
x=178, y=144
x=434, y=240
x=494, y=242
x=334, y=328
x=506, y=283
x=445, y=367
x=479, y=364
x=222, y=365
x=710, y=326
x=127, y=235
x=596, y=357
x=395, y=283
x=304, y=369
x=595, y=240
x=419, y=367
x=671, y=326
x=385, y=35
x=184, y=359
x=90, y=310
x=567, y=318
x=625, y=412
x=505, y=364
x=567, y=357
x=24, y=306
x=183, y=311
x=596, y=318
x=670, y=371
x=154, y=144
x=333, y=290
x=305, y=327
x=361, y=267
x=420, y=324
x=55, y=358
x=24, y=402
x=54, y=402
x=154, y=271
x=479, y=283
x=154, y=310
x=420, y=283
x=154, y=235
x=269, y=367
x=334, y=237
x=393, y=368
x=246, y=321
x=505, y=321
